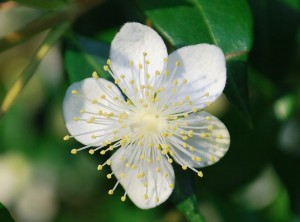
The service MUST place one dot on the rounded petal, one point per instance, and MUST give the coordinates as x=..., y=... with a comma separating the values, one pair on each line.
x=205, y=142
x=81, y=107
x=203, y=67
x=129, y=45
x=147, y=184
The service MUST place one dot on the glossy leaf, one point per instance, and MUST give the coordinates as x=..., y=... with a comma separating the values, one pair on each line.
x=5, y=215
x=225, y=23
x=84, y=56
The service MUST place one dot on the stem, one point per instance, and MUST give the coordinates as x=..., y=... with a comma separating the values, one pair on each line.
x=190, y=209
x=45, y=22
x=52, y=37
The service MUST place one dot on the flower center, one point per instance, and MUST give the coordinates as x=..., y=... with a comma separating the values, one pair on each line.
x=146, y=122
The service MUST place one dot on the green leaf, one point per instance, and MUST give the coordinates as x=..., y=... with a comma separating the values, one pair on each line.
x=5, y=215
x=43, y=4
x=225, y=23
x=84, y=56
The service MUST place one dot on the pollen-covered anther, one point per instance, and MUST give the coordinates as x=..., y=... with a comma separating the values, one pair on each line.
x=102, y=152
x=95, y=75
x=74, y=151
x=74, y=92
x=184, y=167
x=156, y=199
x=67, y=137
x=99, y=167
x=200, y=174
x=91, y=151
x=110, y=192
x=109, y=176
x=204, y=135
x=123, y=198
x=146, y=196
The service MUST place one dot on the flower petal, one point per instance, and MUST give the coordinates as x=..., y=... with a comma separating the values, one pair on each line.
x=204, y=68
x=147, y=183
x=205, y=141
x=129, y=45
x=81, y=107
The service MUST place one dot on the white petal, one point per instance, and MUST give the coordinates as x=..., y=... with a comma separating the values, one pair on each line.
x=204, y=68
x=158, y=184
x=80, y=100
x=210, y=141
x=129, y=45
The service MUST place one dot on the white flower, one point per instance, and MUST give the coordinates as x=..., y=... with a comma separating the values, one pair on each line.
x=158, y=120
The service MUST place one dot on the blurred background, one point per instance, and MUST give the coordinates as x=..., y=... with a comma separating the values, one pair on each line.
x=257, y=180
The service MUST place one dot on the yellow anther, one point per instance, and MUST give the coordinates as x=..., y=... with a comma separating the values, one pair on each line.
x=212, y=158
x=109, y=86
x=157, y=169
x=185, y=137
x=175, y=81
x=123, y=198
x=173, y=90
x=100, y=167
x=108, y=162
x=142, y=157
x=184, y=145
x=122, y=175
x=145, y=196
x=208, y=118
x=108, y=176
x=67, y=137
x=190, y=133
x=166, y=174
x=186, y=115
x=95, y=75
x=145, y=184
x=192, y=149
x=210, y=127
x=90, y=120
x=74, y=92
x=75, y=119
x=220, y=136
x=74, y=151
x=204, y=135
x=117, y=81
x=121, y=158
x=158, y=158
x=147, y=75
x=156, y=199
x=108, y=62
x=208, y=103
x=91, y=151
x=200, y=174
x=147, y=62
x=177, y=63
x=170, y=160
x=82, y=111
x=166, y=72
x=110, y=192
x=131, y=81
x=105, y=68
x=195, y=110
x=157, y=72
x=140, y=66
x=122, y=76
x=133, y=166
x=171, y=185
x=149, y=160
x=103, y=96
x=198, y=158
x=102, y=152
x=130, y=63
x=184, y=81
x=206, y=94
x=94, y=101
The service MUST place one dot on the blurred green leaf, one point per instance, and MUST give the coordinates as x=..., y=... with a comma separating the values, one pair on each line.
x=5, y=215
x=43, y=4
x=225, y=23
x=84, y=56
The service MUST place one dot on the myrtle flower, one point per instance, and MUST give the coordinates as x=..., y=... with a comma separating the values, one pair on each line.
x=151, y=117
